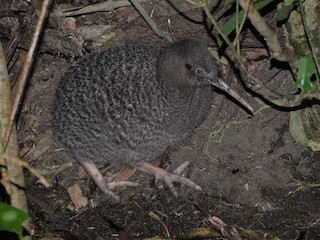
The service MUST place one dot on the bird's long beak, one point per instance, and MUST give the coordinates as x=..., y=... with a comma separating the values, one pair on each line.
x=224, y=87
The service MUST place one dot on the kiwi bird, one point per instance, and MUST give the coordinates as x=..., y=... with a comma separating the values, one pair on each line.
x=129, y=104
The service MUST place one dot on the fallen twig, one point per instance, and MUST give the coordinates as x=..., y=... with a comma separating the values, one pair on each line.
x=26, y=69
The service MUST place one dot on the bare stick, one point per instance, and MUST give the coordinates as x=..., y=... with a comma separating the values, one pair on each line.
x=26, y=69
x=149, y=20
x=97, y=7
x=12, y=178
x=26, y=165
x=278, y=52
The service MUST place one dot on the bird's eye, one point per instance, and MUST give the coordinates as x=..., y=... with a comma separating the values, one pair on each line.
x=199, y=71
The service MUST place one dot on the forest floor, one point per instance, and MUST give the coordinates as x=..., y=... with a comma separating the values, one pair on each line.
x=253, y=173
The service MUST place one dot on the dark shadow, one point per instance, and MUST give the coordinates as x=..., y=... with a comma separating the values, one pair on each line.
x=4, y=197
x=8, y=235
x=123, y=232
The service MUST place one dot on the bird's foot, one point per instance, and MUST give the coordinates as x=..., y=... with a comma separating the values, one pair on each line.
x=166, y=177
x=102, y=184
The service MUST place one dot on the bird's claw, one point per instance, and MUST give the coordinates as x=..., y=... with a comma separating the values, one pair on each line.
x=169, y=178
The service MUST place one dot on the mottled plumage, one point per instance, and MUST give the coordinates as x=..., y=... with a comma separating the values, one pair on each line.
x=129, y=104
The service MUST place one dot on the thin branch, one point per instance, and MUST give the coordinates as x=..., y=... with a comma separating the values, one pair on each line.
x=26, y=69
x=236, y=43
x=24, y=164
x=106, y=6
x=150, y=22
x=242, y=24
x=277, y=51
x=13, y=181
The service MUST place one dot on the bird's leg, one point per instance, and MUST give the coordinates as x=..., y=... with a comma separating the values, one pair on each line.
x=99, y=180
x=166, y=177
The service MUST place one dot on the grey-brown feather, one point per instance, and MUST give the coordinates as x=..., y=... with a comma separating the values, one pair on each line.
x=132, y=103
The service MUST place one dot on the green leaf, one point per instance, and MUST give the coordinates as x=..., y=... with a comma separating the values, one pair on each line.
x=229, y=2
x=284, y=13
x=306, y=69
x=11, y=219
x=230, y=25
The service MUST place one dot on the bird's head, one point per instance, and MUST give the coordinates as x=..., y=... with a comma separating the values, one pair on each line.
x=188, y=64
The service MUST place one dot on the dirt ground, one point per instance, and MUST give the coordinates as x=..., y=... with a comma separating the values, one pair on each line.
x=253, y=174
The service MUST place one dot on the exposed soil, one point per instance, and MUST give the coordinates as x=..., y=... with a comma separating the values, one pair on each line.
x=250, y=168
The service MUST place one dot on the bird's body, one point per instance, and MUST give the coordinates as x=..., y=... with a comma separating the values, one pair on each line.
x=116, y=107
x=131, y=103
